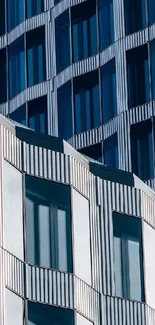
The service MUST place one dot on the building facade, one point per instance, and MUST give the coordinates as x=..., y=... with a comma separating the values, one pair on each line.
x=84, y=71
x=77, y=239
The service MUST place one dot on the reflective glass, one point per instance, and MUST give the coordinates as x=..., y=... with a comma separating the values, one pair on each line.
x=138, y=76
x=151, y=11
x=42, y=314
x=106, y=23
x=129, y=282
x=16, y=67
x=62, y=41
x=142, y=146
x=86, y=102
x=152, y=59
x=65, y=122
x=15, y=11
x=84, y=30
x=111, y=151
x=3, y=77
x=108, y=91
x=36, y=63
x=48, y=224
x=19, y=115
x=37, y=114
x=94, y=152
x=2, y=17
x=135, y=15
x=34, y=7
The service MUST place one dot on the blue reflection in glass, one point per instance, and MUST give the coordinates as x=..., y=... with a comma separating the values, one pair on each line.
x=34, y=7
x=37, y=114
x=3, y=76
x=135, y=15
x=151, y=10
x=15, y=10
x=65, y=122
x=111, y=151
x=152, y=58
x=106, y=23
x=19, y=115
x=2, y=17
x=62, y=41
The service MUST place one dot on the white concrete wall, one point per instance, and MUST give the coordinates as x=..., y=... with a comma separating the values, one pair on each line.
x=13, y=314
x=12, y=210
x=149, y=263
x=81, y=236
x=80, y=320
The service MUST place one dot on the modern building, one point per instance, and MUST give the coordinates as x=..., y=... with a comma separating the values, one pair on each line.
x=77, y=239
x=83, y=71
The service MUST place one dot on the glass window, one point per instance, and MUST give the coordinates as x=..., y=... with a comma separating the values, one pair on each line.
x=34, y=7
x=138, y=76
x=37, y=114
x=142, y=146
x=86, y=102
x=16, y=67
x=15, y=10
x=94, y=152
x=36, y=64
x=19, y=115
x=48, y=224
x=84, y=30
x=62, y=41
x=135, y=15
x=65, y=122
x=152, y=59
x=108, y=86
x=111, y=151
x=3, y=78
x=41, y=314
x=151, y=11
x=128, y=257
x=106, y=23
x=2, y=17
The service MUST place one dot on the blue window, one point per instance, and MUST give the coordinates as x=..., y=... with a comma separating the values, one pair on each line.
x=111, y=151
x=108, y=85
x=106, y=23
x=62, y=41
x=19, y=115
x=86, y=102
x=94, y=152
x=84, y=30
x=56, y=2
x=65, y=121
x=48, y=224
x=37, y=114
x=15, y=10
x=3, y=78
x=152, y=58
x=142, y=146
x=41, y=314
x=135, y=15
x=151, y=11
x=2, y=17
x=138, y=76
x=36, y=63
x=129, y=280
x=16, y=67
x=34, y=7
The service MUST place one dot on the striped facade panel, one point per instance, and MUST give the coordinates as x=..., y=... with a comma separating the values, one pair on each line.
x=4, y=109
x=136, y=39
x=150, y=315
x=3, y=41
x=119, y=20
x=12, y=148
x=123, y=312
x=107, y=55
x=148, y=209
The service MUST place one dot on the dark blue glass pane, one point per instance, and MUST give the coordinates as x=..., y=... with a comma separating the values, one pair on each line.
x=39, y=314
x=135, y=15
x=138, y=76
x=84, y=30
x=106, y=23
x=151, y=8
x=152, y=57
x=86, y=102
x=37, y=114
x=62, y=41
x=34, y=7
x=19, y=115
x=3, y=78
x=2, y=17
x=16, y=67
x=142, y=146
x=94, y=152
x=15, y=10
x=36, y=63
x=111, y=152
x=108, y=91
x=65, y=121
